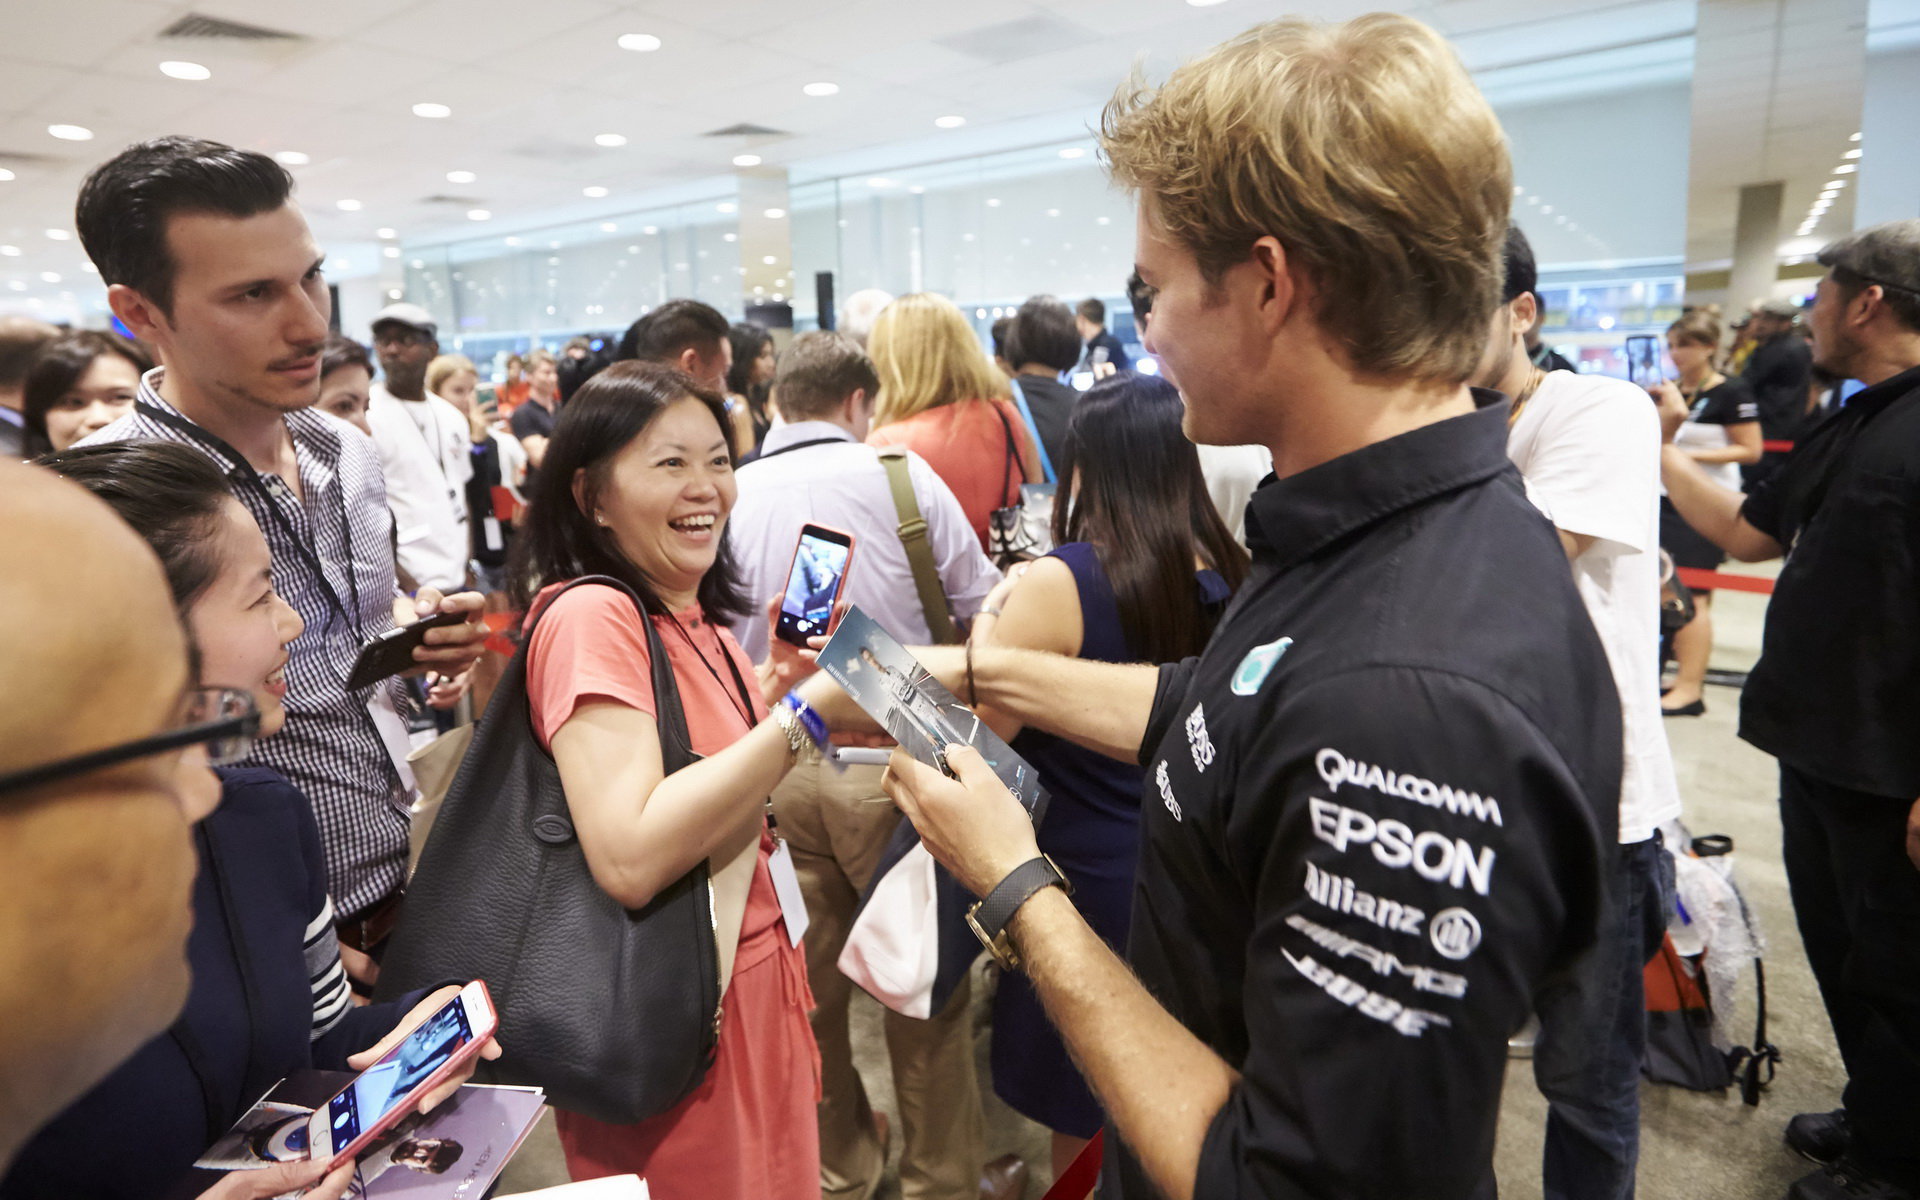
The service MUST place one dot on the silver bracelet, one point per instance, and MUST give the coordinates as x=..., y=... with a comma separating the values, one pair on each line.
x=987, y=612
x=790, y=727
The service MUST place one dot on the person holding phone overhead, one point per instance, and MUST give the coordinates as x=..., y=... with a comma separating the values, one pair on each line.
x=268, y=996
x=1141, y=571
x=638, y=485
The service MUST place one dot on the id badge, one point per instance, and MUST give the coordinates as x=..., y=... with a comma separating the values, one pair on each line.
x=490, y=530
x=786, y=888
x=393, y=735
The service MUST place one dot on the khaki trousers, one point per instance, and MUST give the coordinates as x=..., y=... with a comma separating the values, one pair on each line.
x=837, y=826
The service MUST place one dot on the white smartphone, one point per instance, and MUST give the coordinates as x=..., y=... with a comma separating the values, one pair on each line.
x=391, y=1088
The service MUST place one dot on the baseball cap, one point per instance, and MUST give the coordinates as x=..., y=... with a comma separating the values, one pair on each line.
x=1887, y=254
x=1785, y=309
x=410, y=315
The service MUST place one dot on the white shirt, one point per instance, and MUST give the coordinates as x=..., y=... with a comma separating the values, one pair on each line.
x=1232, y=473
x=424, y=455
x=1589, y=448
x=844, y=486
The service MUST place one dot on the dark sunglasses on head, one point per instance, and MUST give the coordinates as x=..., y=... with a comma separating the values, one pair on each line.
x=224, y=720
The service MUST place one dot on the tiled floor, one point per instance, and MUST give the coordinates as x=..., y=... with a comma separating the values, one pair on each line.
x=1695, y=1146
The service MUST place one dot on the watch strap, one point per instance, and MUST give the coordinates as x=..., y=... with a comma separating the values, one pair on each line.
x=1020, y=885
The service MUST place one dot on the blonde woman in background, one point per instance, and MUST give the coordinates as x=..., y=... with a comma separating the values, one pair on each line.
x=941, y=397
x=499, y=462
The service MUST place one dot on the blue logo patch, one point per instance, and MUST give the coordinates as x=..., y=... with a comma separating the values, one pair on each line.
x=1253, y=669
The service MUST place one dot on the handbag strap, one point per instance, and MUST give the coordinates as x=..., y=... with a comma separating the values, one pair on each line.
x=1026, y=414
x=676, y=747
x=1013, y=459
x=913, y=536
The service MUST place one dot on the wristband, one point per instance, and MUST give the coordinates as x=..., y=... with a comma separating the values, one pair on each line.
x=811, y=721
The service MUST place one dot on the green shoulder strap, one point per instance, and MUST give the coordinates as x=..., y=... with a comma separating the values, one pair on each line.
x=913, y=535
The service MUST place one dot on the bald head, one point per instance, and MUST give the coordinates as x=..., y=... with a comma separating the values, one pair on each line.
x=99, y=867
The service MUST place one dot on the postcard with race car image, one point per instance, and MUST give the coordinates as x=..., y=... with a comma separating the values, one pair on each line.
x=912, y=706
x=457, y=1150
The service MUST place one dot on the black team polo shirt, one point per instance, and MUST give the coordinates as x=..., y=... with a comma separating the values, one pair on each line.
x=1836, y=693
x=1375, y=817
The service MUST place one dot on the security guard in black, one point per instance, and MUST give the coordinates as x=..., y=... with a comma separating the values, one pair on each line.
x=1374, y=818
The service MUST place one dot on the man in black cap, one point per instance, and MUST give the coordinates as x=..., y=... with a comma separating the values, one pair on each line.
x=1836, y=697
x=1778, y=370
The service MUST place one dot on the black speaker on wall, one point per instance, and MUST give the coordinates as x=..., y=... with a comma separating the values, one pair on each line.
x=823, y=297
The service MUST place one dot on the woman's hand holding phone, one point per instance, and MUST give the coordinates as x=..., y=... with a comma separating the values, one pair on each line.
x=309, y=1179
x=434, y=1002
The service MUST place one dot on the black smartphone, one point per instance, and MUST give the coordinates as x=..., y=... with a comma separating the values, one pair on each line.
x=1643, y=360
x=814, y=582
x=390, y=653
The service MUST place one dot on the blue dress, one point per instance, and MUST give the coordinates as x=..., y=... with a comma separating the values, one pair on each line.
x=1092, y=832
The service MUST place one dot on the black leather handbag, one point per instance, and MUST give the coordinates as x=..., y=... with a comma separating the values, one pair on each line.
x=614, y=1012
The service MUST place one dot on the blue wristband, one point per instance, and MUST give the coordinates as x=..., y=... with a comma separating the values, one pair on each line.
x=811, y=721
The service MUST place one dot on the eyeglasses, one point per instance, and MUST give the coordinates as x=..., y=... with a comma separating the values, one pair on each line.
x=224, y=720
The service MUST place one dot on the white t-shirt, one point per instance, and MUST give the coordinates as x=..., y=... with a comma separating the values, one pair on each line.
x=1232, y=473
x=1589, y=449
x=425, y=457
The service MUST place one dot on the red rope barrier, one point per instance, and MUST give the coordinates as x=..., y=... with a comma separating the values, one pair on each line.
x=1076, y=1182
x=1777, y=447
x=1720, y=581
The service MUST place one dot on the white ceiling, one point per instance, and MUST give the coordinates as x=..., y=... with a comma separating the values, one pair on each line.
x=530, y=86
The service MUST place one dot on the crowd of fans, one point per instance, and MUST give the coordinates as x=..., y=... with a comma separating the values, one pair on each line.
x=1403, y=786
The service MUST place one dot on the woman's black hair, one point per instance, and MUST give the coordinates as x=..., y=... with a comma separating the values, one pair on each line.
x=58, y=367
x=342, y=351
x=1043, y=332
x=1130, y=483
x=748, y=341
x=170, y=494
x=560, y=539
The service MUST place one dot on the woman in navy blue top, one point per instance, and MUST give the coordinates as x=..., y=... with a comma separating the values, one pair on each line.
x=268, y=995
x=1143, y=569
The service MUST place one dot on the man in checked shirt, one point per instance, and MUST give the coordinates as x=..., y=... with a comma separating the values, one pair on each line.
x=208, y=259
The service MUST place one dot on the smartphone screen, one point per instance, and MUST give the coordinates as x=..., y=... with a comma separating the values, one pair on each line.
x=1643, y=360
x=813, y=583
x=382, y=1087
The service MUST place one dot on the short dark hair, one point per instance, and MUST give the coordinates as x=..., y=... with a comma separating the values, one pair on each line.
x=59, y=366
x=342, y=351
x=818, y=372
x=126, y=201
x=1092, y=310
x=1140, y=299
x=21, y=339
x=998, y=334
x=171, y=495
x=1044, y=332
x=560, y=541
x=663, y=334
x=1521, y=273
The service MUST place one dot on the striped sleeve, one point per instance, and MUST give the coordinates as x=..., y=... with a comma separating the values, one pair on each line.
x=331, y=997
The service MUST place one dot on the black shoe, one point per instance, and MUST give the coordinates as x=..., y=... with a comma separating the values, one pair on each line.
x=1844, y=1181
x=1819, y=1137
x=1697, y=708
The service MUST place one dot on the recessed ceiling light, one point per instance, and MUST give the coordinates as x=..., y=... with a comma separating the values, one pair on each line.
x=918, y=190
x=418, y=264
x=1103, y=220
x=726, y=206
x=348, y=205
x=185, y=70
x=513, y=241
x=384, y=232
x=1854, y=138
x=10, y=251
x=774, y=214
x=1073, y=152
x=639, y=43
x=340, y=264
x=6, y=176
x=729, y=237
x=59, y=235
x=291, y=158
x=609, y=227
x=952, y=122
x=49, y=277
x=461, y=177
x=1845, y=169
x=391, y=252
x=1053, y=212
x=993, y=202
x=746, y=160
x=768, y=260
x=71, y=133
x=609, y=140
x=879, y=181
x=651, y=229
x=18, y=285
x=1205, y=3
x=431, y=110
x=594, y=192
x=479, y=214
x=1853, y=153
x=822, y=89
